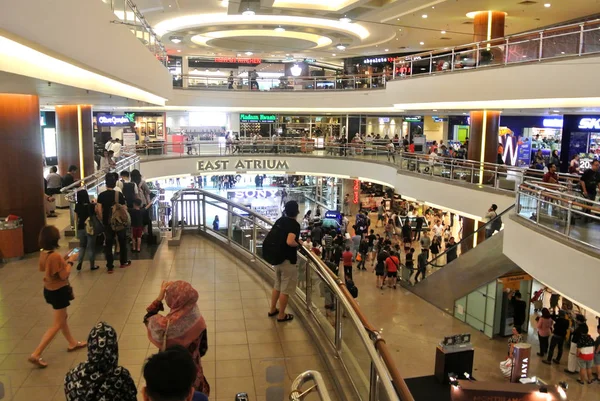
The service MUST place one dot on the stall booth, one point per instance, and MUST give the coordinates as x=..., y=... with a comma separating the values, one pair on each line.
x=581, y=136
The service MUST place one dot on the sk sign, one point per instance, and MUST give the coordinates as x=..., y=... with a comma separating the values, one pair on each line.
x=589, y=123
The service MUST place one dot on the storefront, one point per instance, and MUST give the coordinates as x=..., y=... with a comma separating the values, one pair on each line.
x=581, y=136
x=522, y=136
x=49, y=140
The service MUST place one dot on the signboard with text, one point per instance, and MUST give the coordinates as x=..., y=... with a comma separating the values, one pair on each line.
x=237, y=60
x=241, y=165
x=258, y=118
x=113, y=120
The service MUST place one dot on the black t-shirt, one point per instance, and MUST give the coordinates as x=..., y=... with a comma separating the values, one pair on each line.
x=288, y=226
x=137, y=217
x=371, y=238
x=68, y=180
x=107, y=200
x=83, y=211
x=591, y=179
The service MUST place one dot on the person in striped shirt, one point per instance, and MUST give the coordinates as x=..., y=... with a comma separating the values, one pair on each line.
x=585, y=356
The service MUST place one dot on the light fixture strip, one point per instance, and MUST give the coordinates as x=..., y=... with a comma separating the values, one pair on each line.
x=482, y=155
x=80, y=135
x=489, y=28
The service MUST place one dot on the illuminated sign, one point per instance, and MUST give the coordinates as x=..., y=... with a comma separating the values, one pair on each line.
x=332, y=214
x=378, y=60
x=237, y=60
x=309, y=60
x=413, y=119
x=242, y=164
x=258, y=118
x=552, y=122
x=384, y=120
x=257, y=193
x=113, y=120
x=356, y=191
x=296, y=70
x=589, y=123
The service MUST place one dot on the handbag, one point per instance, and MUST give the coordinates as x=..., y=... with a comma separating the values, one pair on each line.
x=93, y=225
x=506, y=367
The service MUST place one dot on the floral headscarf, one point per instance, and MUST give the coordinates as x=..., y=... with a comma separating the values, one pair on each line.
x=100, y=378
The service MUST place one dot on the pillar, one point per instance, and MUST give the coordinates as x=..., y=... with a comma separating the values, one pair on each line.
x=75, y=134
x=488, y=25
x=483, y=137
x=22, y=178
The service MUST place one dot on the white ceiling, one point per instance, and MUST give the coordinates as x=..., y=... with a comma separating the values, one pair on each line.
x=396, y=25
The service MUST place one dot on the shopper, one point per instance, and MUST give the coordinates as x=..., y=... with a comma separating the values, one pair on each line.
x=585, y=356
x=363, y=254
x=215, y=223
x=392, y=264
x=580, y=327
x=574, y=165
x=137, y=225
x=84, y=210
x=421, y=266
x=128, y=188
x=551, y=177
x=356, y=239
x=519, y=309
x=420, y=220
x=406, y=232
x=389, y=229
x=106, y=201
x=597, y=353
x=435, y=247
x=100, y=377
x=425, y=244
x=451, y=250
x=57, y=292
x=230, y=80
x=347, y=258
x=327, y=245
x=515, y=338
x=590, y=181
x=391, y=151
x=143, y=190
x=286, y=273
x=116, y=149
x=71, y=176
x=170, y=375
x=54, y=181
x=554, y=159
x=544, y=329
x=184, y=325
x=559, y=333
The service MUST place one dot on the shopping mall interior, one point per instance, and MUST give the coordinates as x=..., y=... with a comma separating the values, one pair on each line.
x=442, y=158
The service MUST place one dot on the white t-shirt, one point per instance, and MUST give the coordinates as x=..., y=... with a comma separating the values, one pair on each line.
x=437, y=230
x=116, y=148
x=108, y=145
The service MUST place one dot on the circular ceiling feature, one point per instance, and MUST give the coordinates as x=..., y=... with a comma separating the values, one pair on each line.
x=261, y=40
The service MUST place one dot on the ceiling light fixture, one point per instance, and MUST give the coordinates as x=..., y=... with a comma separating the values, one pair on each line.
x=547, y=5
x=178, y=51
x=387, y=50
x=176, y=40
x=333, y=54
x=345, y=20
x=421, y=43
x=248, y=13
x=224, y=3
x=248, y=53
x=341, y=47
x=279, y=29
x=443, y=32
x=424, y=16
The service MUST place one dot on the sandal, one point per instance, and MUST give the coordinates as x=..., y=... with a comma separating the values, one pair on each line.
x=274, y=313
x=77, y=346
x=580, y=381
x=286, y=318
x=39, y=362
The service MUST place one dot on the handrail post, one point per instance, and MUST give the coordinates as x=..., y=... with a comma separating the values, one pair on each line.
x=373, y=379
x=453, y=59
x=229, y=223
x=204, y=211
x=430, y=63
x=569, y=216
x=541, y=47
x=339, y=316
x=411, y=67
x=477, y=59
x=308, y=291
x=253, y=250
x=581, y=36
x=538, y=207
x=506, y=52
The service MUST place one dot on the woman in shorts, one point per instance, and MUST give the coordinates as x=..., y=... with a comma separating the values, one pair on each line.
x=57, y=292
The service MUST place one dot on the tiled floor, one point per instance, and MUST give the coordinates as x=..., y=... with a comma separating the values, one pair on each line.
x=244, y=344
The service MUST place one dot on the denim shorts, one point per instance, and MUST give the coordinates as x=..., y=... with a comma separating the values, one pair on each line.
x=585, y=364
x=597, y=359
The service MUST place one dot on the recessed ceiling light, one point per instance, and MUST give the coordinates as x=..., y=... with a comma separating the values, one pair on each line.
x=341, y=47
x=464, y=114
x=421, y=43
x=238, y=54
x=224, y=3
x=287, y=55
x=176, y=40
x=279, y=29
x=434, y=110
x=178, y=51
x=272, y=55
x=387, y=50
x=248, y=12
x=333, y=54
x=547, y=5
x=443, y=32
x=248, y=53
x=169, y=6
x=345, y=19
x=424, y=16
x=562, y=52
x=556, y=111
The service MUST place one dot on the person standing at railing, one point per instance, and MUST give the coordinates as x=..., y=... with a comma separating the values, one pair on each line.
x=451, y=250
x=574, y=165
x=590, y=181
x=391, y=151
x=230, y=80
x=551, y=177
x=253, y=75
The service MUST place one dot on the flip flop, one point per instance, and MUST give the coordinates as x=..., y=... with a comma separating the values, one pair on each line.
x=77, y=346
x=39, y=362
x=274, y=313
x=287, y=318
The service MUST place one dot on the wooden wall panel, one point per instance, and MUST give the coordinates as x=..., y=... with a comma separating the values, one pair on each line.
x=67, y=123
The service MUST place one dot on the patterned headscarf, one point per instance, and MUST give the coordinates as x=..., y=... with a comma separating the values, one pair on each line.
x=184, y=323
x=100, y=378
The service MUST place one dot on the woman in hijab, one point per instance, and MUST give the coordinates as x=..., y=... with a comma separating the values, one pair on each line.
x=184, y=325
x=100, y=377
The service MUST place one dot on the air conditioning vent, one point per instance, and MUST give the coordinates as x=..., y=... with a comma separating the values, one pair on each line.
x=528, y=3
x=468, y=23
x=445, y=38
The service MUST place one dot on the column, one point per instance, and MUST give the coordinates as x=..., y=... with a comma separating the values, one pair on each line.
x=488, y=25
x=22, y=180
x=75, y=134
x=185, y=70
x=483, y=137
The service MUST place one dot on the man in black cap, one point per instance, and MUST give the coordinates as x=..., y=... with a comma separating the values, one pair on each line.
x=286, y=273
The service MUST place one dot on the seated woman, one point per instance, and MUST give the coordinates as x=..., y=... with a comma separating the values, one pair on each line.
x=100, y=377
x=184, y=325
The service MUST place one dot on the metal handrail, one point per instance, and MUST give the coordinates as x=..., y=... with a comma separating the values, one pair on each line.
x=382, y=365
x=310, y=375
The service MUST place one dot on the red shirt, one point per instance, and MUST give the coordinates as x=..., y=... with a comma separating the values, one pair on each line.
x=392, y=264
x=549, y=175
x=347, y=258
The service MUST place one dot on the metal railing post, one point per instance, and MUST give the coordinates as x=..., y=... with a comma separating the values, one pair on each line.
x=453, y=58
x=373, y=384
x=253, y=250
x=430, y=63
x=411, y=67
x=581, y=36
x=308, y=277
x=506, y=52
x=569, y=216
x=538, y=207
x=477, y=58
x=339, y=316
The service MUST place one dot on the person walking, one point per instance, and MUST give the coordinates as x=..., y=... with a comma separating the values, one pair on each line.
x=585, y=356
x=347, y=258
x=421, y=266
x=392, y=264
x=363, y=252
x=286, y=273
x=544, y=328
x=451, y=250
x=57, y=292
x=84, y=210
x=559, y=333
x=425, y=244
x=420, y=220
x=580, y=327
x=106, y=201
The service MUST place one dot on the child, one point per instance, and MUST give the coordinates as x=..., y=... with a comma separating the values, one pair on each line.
x=137, y=225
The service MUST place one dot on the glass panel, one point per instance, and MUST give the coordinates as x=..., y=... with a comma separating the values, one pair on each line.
x=591, y=39
x=564, y=44
x=214, y=210
x=241, y=231
x=475, y=323
x=262, y=229
x=355, y=358
x=323, y=299
x=524, y=50
x=527, y=206
x=490, y=305
x=476, y=307
x=460, y=306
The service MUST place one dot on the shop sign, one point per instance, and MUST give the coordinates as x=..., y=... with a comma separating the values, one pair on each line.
x=413, y=119
x=237, y=60
x=552, y=122
x=356, y=189
x=113, y=120
x=309, y=60
x=589, y=123
x=242, y=164
x=384, y=120
x=378, y=60
x=258, y=118
x=256, y=193
x=332, y=214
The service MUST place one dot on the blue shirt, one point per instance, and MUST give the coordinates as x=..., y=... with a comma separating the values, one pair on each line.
x=198, y=396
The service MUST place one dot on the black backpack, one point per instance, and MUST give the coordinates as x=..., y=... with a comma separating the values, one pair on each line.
x=129, y=193
x=273, y=246
x=352, y=289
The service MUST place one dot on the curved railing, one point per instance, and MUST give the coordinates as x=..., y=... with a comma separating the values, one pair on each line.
x=360, y=348
x=497, y=176
x=562, y=210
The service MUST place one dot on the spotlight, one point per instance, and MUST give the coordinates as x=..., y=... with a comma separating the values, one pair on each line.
x=341, y=47
x=453, y=379
x=345, y=19
x=248, y=12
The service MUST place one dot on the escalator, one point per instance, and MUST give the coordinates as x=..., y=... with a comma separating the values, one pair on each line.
x=471, y=270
